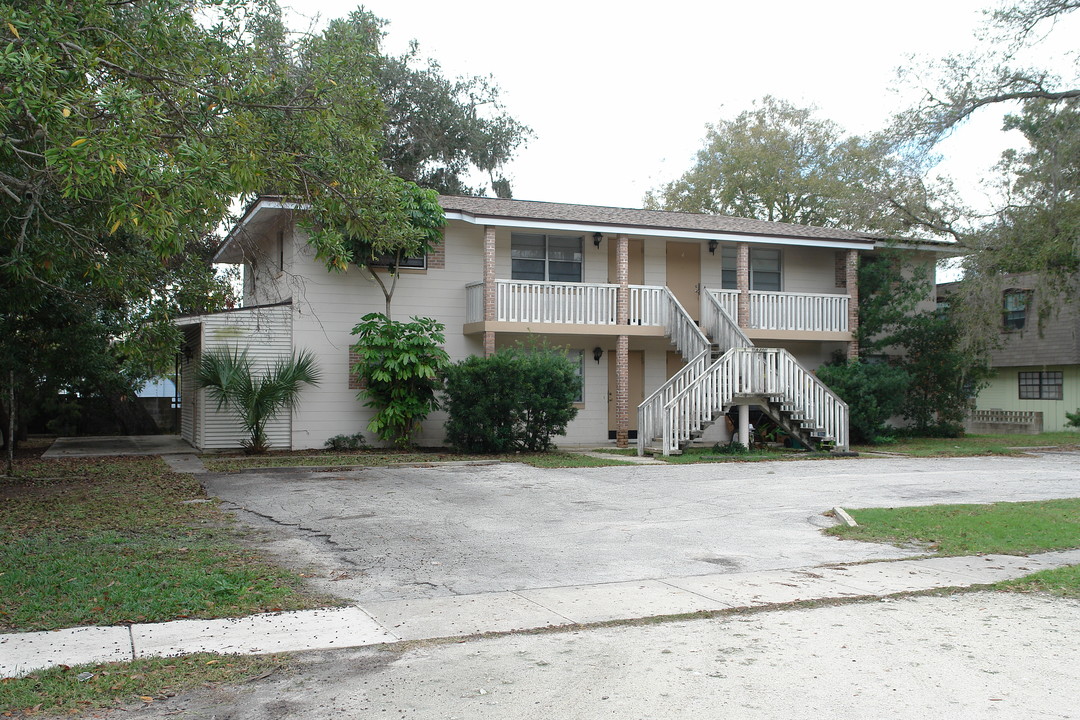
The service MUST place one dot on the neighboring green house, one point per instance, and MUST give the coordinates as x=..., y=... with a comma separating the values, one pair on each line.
x=1034, y=372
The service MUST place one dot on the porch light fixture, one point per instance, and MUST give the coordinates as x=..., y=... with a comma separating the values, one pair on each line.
x=597, y=353
x=712, y=246
x=596, y=238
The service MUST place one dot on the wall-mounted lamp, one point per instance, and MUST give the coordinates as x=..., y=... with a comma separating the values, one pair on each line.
x=597, y=353
x=712, y=246
x=596, y=238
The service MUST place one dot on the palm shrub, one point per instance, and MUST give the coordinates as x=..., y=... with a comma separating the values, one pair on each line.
x=229, y=377
x=401, y=365
x=516, y=399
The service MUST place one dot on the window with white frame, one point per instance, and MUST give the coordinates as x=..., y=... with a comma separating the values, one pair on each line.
x=545, y=257
x=1043, y=385
x=578, y=358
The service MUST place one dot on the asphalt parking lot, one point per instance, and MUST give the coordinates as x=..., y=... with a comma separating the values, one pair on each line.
x=388, y=534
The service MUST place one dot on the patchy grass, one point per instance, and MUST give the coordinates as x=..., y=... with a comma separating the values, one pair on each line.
x=384, y=458
x=116, y=540
x=1016, y=528
x=115, y=685
x=1063, y=581
x=1006, y=528
x=973, y=444
x=708, y=455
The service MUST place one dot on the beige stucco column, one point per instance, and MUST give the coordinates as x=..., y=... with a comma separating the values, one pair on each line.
x=622, y=345
x=489, y=288
x=852, y=280
x=742, y=275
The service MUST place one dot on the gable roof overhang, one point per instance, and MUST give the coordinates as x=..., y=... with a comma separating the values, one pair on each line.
x=564, y=217
x=259, y=217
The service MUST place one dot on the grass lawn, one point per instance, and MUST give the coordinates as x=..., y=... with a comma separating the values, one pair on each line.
x=383, y=458
x=104, y=541
x=59, y=689
x=973, y=444
x=1007, y=528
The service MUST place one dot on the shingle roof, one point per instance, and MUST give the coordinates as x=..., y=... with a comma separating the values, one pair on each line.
x=630, y=218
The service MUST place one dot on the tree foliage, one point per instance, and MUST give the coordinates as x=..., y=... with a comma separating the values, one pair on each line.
x=780, y=163
x=873, y=391
x=958, y=85
x=439, y=131
x=513, y=400
x=126, y=130
x=230, y=378
x=400, y=365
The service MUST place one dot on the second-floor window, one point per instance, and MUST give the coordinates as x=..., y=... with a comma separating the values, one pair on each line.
x=764, y=269
x=545, y=257
x=1014, y=309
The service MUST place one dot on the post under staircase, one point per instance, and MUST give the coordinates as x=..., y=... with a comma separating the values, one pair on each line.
x=730, y=370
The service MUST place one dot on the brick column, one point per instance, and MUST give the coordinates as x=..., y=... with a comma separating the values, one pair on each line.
x=622, y=345
x=852, y=277
x=489, y=288
x=622, y=276
x=622, y=391
x=742, y=275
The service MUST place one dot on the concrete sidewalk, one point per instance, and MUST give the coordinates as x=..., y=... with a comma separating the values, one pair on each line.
x=387, y=622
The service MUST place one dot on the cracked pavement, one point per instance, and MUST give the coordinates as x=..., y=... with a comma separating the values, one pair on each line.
x=404, y=533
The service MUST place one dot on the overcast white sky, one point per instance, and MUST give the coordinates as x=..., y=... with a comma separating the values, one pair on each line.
x=618, y=93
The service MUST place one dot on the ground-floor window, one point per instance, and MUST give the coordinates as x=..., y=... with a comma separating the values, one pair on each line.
x=1043, y=385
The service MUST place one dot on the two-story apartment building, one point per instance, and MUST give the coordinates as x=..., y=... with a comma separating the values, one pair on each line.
x=673, y=318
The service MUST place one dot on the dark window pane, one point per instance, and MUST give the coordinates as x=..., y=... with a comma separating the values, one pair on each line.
x=564, y=271
x=527, y=269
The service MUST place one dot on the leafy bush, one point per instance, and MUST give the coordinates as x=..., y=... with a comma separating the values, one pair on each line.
x=874, y=392
x=732, y=448
x=401, y=364
x=515, y=399
x=1073, y=419
x=346, y=442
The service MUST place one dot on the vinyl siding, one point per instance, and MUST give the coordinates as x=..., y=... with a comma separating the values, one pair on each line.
x=265, y=332
x=1003, y=393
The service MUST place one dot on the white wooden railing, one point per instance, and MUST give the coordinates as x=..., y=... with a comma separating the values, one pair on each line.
x=751, y=372
x=815, y=312
x=574, y=303
x=719, y=323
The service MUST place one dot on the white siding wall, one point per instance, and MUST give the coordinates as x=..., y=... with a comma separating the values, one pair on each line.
x=266, y=334
x=332, y=303
x=189, y=397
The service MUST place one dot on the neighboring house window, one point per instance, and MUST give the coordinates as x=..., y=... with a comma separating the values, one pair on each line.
x=729, y=263
x=765, y=270
x=1014, y=309
x=545, y=257
x=1046, y=385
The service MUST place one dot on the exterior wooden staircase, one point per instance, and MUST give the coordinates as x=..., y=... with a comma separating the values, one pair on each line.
x=725, y=369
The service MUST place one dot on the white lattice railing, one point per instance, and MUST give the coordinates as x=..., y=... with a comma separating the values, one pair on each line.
x=751, y=372
x=815, y=312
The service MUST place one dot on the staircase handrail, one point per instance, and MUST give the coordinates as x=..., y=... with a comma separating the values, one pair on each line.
x=650, y=411
x=750, y=371
x=720, y=326
x=694, y=346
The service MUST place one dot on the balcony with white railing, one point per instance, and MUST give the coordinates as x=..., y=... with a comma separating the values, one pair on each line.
x=788, y=311
x=531, y=302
